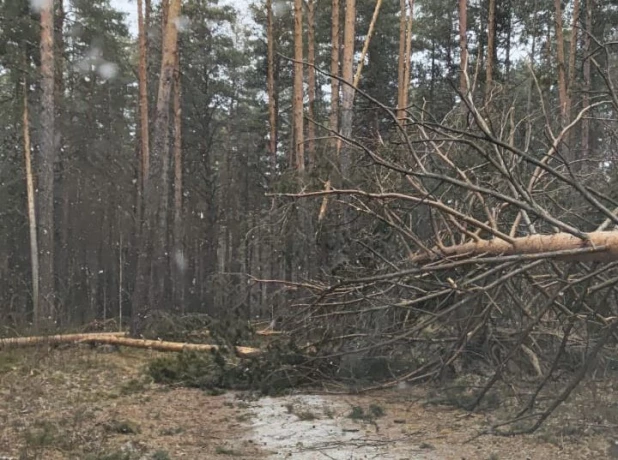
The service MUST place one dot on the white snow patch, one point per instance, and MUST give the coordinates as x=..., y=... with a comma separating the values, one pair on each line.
x=108, y=70
x=38, y=5
x=283, y=435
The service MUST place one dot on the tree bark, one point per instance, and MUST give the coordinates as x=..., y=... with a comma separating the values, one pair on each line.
x=179, y=257
x=587, y=80
x=272, y=101
x=407, y=69
x=143, y=92
x=311, y=79
x=299, y=141
x=46, y=171
x=572, y=55
x=116, y=338
x=361, y=60
x=463, y=44
x=491, y=48
x=34, y=248
x=561, y=63
x=401, y=65
x=152, y=261
x=347, y=73
x=605, y=242
x=334, y=68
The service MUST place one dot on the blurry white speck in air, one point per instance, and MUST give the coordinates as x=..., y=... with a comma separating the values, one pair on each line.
x=108, y=70
x=38, y=5
x=280, y=7
x=181, y=260
x=182, y=23
x=201, y=215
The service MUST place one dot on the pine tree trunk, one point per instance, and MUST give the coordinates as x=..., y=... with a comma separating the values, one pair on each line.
x=601, y=246
x=586, y=89
x=491, y=48
x=179, y=257
x=334, y=68
x=152, y=261
x=46, y=172
x=401, y=63
x=463, y=45
x=347, y=73
x=407, y=75
x=311, y=79
x=272, y=101
x=571, y=74
x=572, y=55
x=299, y=141
x=34, y=248
x=561, y=63
x=363, y=55
x=143, y=92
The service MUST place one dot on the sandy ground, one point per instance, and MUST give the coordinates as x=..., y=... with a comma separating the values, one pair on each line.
x=85, y=404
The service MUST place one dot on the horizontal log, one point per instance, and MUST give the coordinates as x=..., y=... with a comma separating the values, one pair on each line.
x=160, y=345
x=120, y=339
x=606, y=242
x=56, y=339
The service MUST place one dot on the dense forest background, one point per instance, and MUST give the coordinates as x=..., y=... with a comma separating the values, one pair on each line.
x=238, y=126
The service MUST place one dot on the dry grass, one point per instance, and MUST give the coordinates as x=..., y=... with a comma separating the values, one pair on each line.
x=85, y=404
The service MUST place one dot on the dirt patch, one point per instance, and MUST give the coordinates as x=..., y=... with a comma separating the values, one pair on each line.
x=85, y=404
x=99, y=404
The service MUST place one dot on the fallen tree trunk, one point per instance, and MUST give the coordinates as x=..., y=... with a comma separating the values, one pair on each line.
x=120, y=339
x=606, y=244
x=159, y=345
x=57, y=339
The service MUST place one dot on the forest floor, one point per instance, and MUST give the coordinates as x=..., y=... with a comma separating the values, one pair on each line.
x=82, y=403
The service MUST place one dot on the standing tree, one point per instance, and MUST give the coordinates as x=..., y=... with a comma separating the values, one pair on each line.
x=270, y=82
x=334, y=67
x=44, y=316
x=299, y=139
x=491, y=47
x=463, y=45
x=143, y=99
x=347, y=74
x=149, y=292
x=561, y=63
x=34, y=247
x=311, y=84
x=178, y=259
